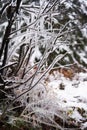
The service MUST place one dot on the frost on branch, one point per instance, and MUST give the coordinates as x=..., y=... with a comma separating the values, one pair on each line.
x=38, y=43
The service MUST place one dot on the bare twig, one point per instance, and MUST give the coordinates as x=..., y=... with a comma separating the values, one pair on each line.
x=4, y=7
x=7, y=66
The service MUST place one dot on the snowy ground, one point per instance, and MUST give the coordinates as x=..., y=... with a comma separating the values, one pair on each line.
x=72, y=94
x=60, y=96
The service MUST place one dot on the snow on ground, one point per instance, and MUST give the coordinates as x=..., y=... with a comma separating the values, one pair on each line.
x=57, y=94
x=73, y=89
x=72, y=94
